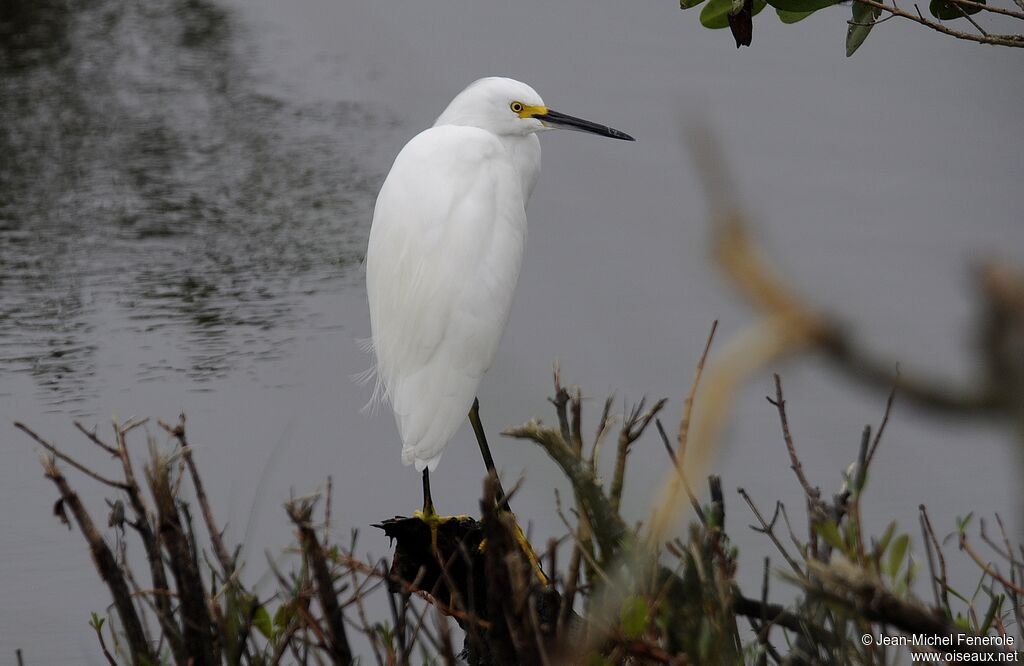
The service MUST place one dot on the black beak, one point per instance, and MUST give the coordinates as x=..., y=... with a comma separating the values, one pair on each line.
x=561, y=120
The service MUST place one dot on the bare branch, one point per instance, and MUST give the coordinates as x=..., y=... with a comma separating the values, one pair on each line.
x=633, y=426
x=971, y=4
x=300, y=514
x=881, y=426
x=106, y=564
x=178, y=432
x=813, y=493
x=768, y=529
x=57, y=453
x=684, y=423
x=607, y=527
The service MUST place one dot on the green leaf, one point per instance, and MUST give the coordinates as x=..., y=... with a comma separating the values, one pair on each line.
x=715, y=14
x=947, y=10
x=863, y=20
x=801, y=5
x=962, y=523
x=994, y=609
x=689, y=4
x=957, y=595
x=883, y=543
x=385, y=634
x=634, y=617
x=95, y=621
x=791, y=17
x=284, y=615
x=850, y=534
x=261, y=620
x=896, y=555
x=706, y=637
x=830, y=533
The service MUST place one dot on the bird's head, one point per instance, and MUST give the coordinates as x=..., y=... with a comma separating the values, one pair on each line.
x=509, y=107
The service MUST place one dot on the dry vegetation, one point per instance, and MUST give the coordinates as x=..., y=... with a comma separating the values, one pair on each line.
x=624, y=594
x=607, y=592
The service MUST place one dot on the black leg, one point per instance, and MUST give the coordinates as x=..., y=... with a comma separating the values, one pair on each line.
x=485, y=451
x=428, y=502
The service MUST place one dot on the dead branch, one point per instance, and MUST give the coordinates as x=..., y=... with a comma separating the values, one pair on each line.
x=106, y=565
x=844, y=583
x=813, y=493
x=175, y=533
x=60, y=455
x=227, y=563
x=633, y=426
x=684, y=423
x=768, y=529
x=145, y=524
x=965, y=546
x=300, y=513
x=607, y=526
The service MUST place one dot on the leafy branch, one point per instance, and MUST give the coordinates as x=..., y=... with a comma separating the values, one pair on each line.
x=737, y=15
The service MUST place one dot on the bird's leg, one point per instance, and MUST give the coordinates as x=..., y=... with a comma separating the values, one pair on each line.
x=428, y=502
x=428, y=515
x=485, y=451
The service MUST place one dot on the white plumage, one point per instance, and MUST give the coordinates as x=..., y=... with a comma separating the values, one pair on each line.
x=445, y=249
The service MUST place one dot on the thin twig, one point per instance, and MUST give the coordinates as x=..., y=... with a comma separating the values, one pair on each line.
x=103, y=646
x=943, y=581
x=91, y=434
x=633, y=426
x=684, y=423
x=881, y=426
x=68, y=459
x=986, y=566
x=1018, y=612
x=216, y=537
x=964, y=14
x=768, y=529
x=679, y=466
x=971, y=4
x=561, y=401
x=812, y=492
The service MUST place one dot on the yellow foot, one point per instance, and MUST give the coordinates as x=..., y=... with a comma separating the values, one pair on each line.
x=434, y=522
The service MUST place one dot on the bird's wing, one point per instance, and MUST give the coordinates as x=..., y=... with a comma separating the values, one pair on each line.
x=443, y=259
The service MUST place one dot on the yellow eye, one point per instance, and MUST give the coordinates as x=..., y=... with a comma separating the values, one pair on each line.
x=517, y=107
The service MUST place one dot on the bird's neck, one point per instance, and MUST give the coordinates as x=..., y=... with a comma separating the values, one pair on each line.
x=525, y=153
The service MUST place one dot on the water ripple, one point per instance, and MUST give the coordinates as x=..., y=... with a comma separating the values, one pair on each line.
x=150, y=183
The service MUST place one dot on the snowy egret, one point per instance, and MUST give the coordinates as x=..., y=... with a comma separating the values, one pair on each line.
x=445, y=250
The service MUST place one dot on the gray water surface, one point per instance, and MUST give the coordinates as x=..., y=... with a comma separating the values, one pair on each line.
x=146, y=171
x=185, y=194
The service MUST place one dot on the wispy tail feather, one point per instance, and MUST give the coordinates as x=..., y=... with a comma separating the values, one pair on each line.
x=380, y=391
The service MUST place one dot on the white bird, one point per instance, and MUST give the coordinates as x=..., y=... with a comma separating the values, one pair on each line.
x=445, y=250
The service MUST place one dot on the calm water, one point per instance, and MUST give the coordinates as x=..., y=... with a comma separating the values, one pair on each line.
x=185, y=195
